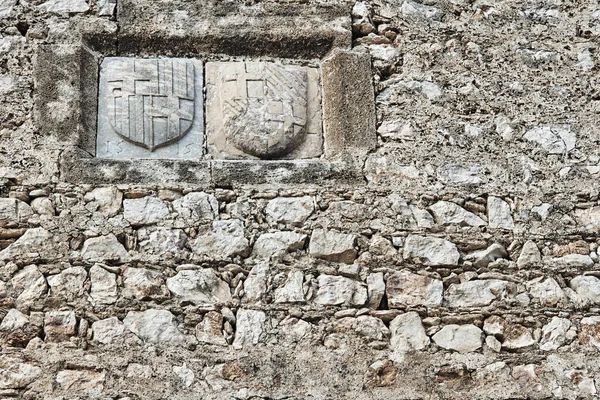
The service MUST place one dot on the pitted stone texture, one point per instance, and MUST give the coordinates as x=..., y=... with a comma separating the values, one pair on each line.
x=337, y=291
x=210, y=330
x=530, y=255
x=69, y=283
x=255, y=285
x=263, y=110
x=477, y=293
x=35, y=241
x=290, y=210
x=499, y=214
x=589, y=333
x=447, y=212
x=332, y=246
x=408, y=333
x=554, y=334
x=224, y=241
x=277, y=244
x=156, y=326
x=108, y=330
x=89, y=383
x=433, y=251
x=161, y=240
x=553, y=139
x=59, y=325
x=29, y=284
x=65, y=6
x=249, y=328
x=104, y=285
x=375, y=289
x=145, y=211
x=104, y=248
x=546, y=290
x=16, y=374
x=197, y=206
x=407, y=289
x=13, y=212
x=293, y=289
x=587, y=288
x=483, y=258
x=461, y=338
x=199, y=286
x=150, y=108
x=14, y=320
x=107, y=200
x=144, y=284
x=6, y=7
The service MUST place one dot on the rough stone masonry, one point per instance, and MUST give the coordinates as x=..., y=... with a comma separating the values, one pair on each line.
x=299, y=199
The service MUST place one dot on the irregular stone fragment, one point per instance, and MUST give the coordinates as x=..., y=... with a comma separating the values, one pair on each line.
x=461, y=175
x=255, y=285
x=277, y=244
x=35, y=240
x=249, y=328
x=555, y=140
x=59, y=325
x=69, y=283
x=81, y=381
x=573, y=260
x=197, y=206
x=406, y=289
x=185, y=374
x=200, y=286
x=547, y=290
x=106, y=8
x=494, y=325
x=332, y=246
x=477, y=293
x=155, y=326
x=433, y=251
x=224, y=241
x=108, y=330
x=15, y=374
x=13, y=212
x=587, y=288
x=589, y=217
x=144, y=284
x=461, y=338
x=446, y=212
x=108, y=200
x=104, y=248
x=292, y=291
x=6, y=7
x=499, y=214
x=483, y=258
x=290, y=210
x=371, y=328
x=530, y=255
x=145, y=211
x=375, y=289
x=295, y=328
x=413, y=9
x=210, y=330
x=380, y=374
x=161, y=240
x=43, y=206
x=408, y=333
x=493, y=343
x=104, y=285
x=526, y=376
x=589, y=332
x=517, y=337
x=338, y=290
x=554, y=334
x=14, y=320
x=29, y=284
x=65, y=6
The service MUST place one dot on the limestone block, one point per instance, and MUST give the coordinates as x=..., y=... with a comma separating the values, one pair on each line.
x=249, y=328
x=108, y=200
x=589, y=333
x=150, y=108
x=499, y=214
x=6, y=7
x=14, y=320
x=90, y=383
x=554, y=334
x=106, y=8
x=553, y=139
x=293, y=289
x=277, y=244
x=197, y=206
x=43, y=206
x=477, y=293
x=371, y=328
x=185, y=375
x=406, y=289
x=408, y=333
x=104, y=285
x=161, y=240
x=483, y=258
x=156, y=326
x=108, y=330
x=255, y=285
x=461, y=338
x=104, y=248
x=65, y=6
x=587, y=288
x=547, y=290
x=446, y=212
x=517, y=337
x=338, y=290
x=375, y=289
x=16, y=374
x=69, y=283
x=433, y=251
x=13, y=212
x=29, y=284
x=199, y=286
x=263, y=110
x=290, y=210
x=145, y=211
x=332, y=246
x=210, y=330
x=34, y=240
x=224, y=241
x=530, y=255
x=144, y=284
x=59, y=325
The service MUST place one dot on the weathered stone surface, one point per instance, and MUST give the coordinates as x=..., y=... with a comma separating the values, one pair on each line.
x=43, y=206
x=255, y=285
x=59, y=325
x=265, y=124
x=108, y=330
x=547, y=290
x=65, y=6
x=407, y=289
x=277, y=244
x=433, y=251
x=210, y=330
x=13, y=212
x=161, y=240
x=224, y=241
x=16, y=374
x=145, y=211
x=530, y=255
x=186, y=375
x=338, y=290
x=446, y=212
x=499, y=214
x=375, y=289
x=332, y=246
x=555, y=140
x=199, y=286
x=104, y=285
x=150, y=108
x=293, y=290
x=249, y=328
x=6, y=7
x=371, y=328
x=144, y=284
x=412, y=9
x=587, y=288
x=573, y=260
x=90, y=383
x=461, y=338
x=106, y=8
x=408, y=333
x=517, y=337
x=554, y=334
x=477, y=293
x=197, y=206
x=29, y=284
x=35, y=241
x=589, y=333
x=14, y=320
x=290, y=210
x=155, y=326
x=483, y=258
x=69, y=283
x=104, y=248
x=107, y=200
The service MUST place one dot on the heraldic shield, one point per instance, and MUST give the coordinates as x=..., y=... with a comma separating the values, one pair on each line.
x=150, y=103
x=264, y=107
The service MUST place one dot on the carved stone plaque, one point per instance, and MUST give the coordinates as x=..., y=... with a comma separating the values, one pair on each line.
x=263, y=110
x=150, y=108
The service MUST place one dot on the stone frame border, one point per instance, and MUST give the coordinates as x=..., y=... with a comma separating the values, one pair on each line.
x=349, y=129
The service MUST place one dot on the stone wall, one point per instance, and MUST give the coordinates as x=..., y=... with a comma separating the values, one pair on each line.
x=456, y=257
